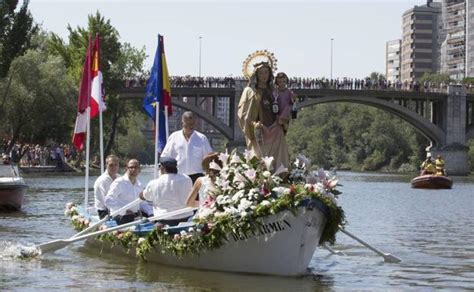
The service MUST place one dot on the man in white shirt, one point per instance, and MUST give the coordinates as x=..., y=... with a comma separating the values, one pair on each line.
x=102, y=184
x=169, y=192
x=125, y=190
x=188, y=147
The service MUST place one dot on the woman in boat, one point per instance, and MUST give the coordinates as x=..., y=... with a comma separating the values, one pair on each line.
x=204, y=185
x=263, y=134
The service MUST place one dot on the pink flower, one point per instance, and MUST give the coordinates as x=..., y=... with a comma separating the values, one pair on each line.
x=208, y=202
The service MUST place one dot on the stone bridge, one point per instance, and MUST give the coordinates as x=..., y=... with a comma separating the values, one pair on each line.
x=445, y=119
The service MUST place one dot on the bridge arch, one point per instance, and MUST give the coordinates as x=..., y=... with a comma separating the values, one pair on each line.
x=426, y=128
x=227, y=131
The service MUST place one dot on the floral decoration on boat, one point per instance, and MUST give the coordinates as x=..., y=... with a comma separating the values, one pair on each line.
x=245, y=191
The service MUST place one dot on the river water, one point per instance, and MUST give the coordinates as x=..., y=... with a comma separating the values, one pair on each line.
x=432, y=231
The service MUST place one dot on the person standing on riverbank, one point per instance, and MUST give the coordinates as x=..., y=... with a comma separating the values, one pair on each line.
x=103, y=183
x=188, y=147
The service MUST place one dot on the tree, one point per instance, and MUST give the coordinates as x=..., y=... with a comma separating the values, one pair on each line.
x=376, y=77
x=118, y=62
x=468, y=80
x=16, y=30
x=354, y=136
x=436, y=78
x=40, y=93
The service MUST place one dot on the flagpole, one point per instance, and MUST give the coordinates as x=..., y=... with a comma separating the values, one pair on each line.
x=88, y=131
x=101, y=98
x=86, y=190
x=101, y=143
x=166, y=123
x=157, y=130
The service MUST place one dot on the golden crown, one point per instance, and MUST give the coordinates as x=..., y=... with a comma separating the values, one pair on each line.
x=257, y=59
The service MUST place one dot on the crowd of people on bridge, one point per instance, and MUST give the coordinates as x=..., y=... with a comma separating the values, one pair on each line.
x=344, y=83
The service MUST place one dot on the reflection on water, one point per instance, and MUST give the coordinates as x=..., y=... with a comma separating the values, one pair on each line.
x=430, y=230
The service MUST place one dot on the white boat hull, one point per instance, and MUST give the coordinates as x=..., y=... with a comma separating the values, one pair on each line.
x=283, y=245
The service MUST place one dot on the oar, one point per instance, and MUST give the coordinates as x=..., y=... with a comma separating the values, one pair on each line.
x=60, y=243
x=116, y=212
x=333, y=251
x=389, y=258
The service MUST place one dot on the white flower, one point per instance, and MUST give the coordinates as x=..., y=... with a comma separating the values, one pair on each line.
x=240, y=185
x=224, y=184
x=204, y=212
x=69, y=205
x=73, y=209
x=267, y=174
x=268, y=162
x=249, y=154
x=243, y=214
x=250, y=174
x=140, y=240
x=281, y=169
x=244, y=205
x=332, y=183
x=264, y=203
x=321, y=174
x=183, y=233
x=214, y=165
x=280, y=190
x=304, y=160
x=311, y=179
x=235, y=159
x=239, y=194
x=75, y=217
x=67, y=212
x=239, y=178
x=223, y=157
x=230, y=211
x=190, y=229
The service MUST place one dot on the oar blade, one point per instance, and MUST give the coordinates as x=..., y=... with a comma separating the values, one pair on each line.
x=389, y=258
x=52, y=246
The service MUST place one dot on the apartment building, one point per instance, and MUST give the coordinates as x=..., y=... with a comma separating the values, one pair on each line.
x=392, y=60
x=453, y=46
x=469, y=38
x=420, y=48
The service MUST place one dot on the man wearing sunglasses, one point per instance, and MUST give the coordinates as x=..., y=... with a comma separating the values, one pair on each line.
x=125, y=190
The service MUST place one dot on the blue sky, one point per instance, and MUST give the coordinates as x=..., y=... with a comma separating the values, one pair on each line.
x=297, y=32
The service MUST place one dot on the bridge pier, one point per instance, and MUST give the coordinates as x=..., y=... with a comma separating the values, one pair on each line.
x=454, y=151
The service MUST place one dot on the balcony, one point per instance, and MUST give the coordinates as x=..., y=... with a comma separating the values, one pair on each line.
x=455, y=6
x=455, y=40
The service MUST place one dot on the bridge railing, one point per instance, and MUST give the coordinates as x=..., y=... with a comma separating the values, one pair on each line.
x=344, y=83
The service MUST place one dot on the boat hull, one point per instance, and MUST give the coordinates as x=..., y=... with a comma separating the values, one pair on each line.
x=11, y=196
x=283, y=245
x=431, y=182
